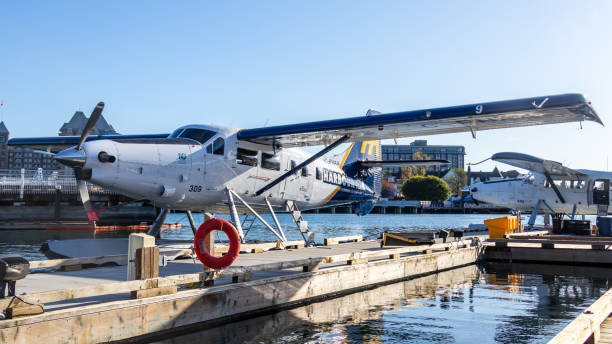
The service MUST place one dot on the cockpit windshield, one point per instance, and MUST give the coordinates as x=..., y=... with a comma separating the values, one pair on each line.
x=196, y=134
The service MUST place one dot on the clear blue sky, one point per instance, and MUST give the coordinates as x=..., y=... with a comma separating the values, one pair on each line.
x=159, y=64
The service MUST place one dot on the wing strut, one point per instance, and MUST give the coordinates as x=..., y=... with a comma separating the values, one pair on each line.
x=552, y=185
x=304, y=163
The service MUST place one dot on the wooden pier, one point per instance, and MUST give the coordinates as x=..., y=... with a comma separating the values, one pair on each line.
x=96, y=305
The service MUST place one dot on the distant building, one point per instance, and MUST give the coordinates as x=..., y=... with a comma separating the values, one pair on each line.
x=454, y=154
x=483, y=176
x=16, y=158
x=4, y=149
x=77, y=123
x=28, y=159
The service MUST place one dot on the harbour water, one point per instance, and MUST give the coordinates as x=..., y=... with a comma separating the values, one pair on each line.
x=27, y=242
x=332, y=225
x=490, y=303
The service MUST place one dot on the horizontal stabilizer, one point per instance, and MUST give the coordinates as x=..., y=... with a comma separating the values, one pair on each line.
x=55, y=144
x=402, y=163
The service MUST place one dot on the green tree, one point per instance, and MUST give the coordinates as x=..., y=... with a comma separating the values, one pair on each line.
x=457, y=180
x=428, y=188
x=411, y=171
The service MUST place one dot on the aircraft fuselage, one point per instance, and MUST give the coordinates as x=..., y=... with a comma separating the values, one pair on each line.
x=182, y=173
x=524, y=193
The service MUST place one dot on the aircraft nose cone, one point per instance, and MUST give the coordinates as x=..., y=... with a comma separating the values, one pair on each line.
x=71, y=157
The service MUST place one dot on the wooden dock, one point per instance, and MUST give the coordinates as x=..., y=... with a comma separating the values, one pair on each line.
x=574, y=250
x=593, y=326
x=97, y=305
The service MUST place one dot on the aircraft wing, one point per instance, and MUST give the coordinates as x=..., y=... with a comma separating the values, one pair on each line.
x=57, y=143
x=402, y=163
x=532, y=163
x=465, y=118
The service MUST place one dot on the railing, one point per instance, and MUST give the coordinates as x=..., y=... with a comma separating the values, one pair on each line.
x=39, y=182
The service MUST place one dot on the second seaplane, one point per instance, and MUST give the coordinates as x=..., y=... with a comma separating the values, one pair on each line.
x=220, y=169
x=549, y=187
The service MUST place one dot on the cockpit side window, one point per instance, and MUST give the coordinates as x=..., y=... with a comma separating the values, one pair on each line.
x=196, y=134
x=218, y=146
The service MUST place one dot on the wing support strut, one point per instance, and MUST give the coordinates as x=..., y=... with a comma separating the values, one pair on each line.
x=234, y=215
x=552, y=185
x=301, y=165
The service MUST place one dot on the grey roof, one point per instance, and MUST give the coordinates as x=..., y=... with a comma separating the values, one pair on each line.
x=77, y=123
x=3, y=128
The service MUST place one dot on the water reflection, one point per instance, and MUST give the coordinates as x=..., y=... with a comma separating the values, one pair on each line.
x=491, y=303
x=27, y=243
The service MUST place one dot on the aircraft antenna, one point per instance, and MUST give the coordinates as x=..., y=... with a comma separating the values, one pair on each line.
x=478, y=163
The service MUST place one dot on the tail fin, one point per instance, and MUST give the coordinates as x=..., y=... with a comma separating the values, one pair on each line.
x=361, y=151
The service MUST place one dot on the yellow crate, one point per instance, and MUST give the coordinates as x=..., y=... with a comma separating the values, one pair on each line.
x=500, y=226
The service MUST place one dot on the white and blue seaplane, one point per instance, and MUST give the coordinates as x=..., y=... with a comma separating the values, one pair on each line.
x=219, y=169
x=549, y=186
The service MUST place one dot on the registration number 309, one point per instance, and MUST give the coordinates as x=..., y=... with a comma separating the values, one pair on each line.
x=195, y=188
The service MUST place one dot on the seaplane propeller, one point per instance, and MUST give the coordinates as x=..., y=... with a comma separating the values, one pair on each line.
x=75, y=158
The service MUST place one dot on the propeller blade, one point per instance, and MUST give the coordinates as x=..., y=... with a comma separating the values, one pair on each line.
x=92, y=215
x=475, y=201
x=93, y=119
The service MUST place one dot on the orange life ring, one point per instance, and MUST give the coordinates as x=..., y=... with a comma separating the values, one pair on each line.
x=234, y=243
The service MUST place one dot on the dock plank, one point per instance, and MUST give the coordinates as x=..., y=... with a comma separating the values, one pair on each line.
x=605, y=334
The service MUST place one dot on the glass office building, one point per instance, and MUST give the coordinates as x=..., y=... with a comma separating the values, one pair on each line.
x=454, y=154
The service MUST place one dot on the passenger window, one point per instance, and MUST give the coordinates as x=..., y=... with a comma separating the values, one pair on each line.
x=305, y=171
x=293, y=164
x=209, y=149
x=218, y=146
x=246, y=157
x=270, y=162
x=318, y=173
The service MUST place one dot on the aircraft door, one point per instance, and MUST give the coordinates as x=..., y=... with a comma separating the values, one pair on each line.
x=216, y=166
x=174, y=170
x=600, y=192
x=298, y=187
x=600, y=195
x=198, y=166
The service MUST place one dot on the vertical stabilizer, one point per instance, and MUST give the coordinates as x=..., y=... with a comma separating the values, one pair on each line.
x=362, y=151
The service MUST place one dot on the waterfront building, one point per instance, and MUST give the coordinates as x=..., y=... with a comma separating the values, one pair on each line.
x=16, y=158
x=454, y=154
x=76, y=124
x=4, y=136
